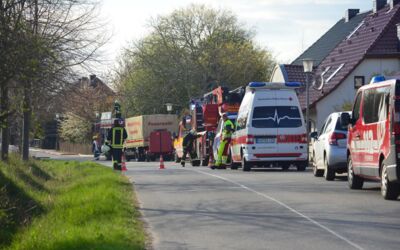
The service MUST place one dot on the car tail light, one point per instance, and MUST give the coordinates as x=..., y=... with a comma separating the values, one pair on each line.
x=292, y=139
x=303, y=138
x=333, y=139
x=249, y=139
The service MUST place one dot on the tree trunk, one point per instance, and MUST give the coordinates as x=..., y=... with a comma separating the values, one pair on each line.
x=5, y=138
x=27, y=122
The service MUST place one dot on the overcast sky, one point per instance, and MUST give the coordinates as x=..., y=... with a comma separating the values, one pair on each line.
x=287, y=27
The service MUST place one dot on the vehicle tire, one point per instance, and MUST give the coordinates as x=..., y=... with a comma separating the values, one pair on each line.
x=317, y=172
x=195, y=163
x=329, y=173
x=234, y=166
x=204, y=162
x=355, y=182
x=246, y=166
x=389, y=190
x=301, y=167
x=285, y=167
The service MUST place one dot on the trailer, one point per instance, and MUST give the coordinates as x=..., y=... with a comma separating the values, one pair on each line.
x=150, y=136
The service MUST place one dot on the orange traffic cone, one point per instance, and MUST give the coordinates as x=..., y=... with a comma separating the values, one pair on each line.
x=123, y=163
x=161, y=163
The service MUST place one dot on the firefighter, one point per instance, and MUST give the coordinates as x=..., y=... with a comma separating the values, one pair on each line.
x=117, y=136
x=227, y=131
x=187, y=145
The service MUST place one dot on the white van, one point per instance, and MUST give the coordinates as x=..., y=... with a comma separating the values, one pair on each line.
x=270, y=128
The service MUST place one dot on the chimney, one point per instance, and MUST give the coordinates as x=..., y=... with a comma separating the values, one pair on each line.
x=350, y=13
x=393, y=3
x=378, y=5
x=93, y=82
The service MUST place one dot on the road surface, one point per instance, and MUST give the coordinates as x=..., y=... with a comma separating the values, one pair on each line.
x=200, y=208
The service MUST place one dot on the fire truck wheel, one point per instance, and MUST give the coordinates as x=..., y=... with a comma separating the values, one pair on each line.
x=355, y=182
x=204, y=162
x=329, y=173
x=389, y=190
x=246, y=166
x=195, y=163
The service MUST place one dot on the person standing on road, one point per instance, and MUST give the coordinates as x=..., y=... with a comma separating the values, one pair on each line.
x=95, y=148
x=227, y=131
x=187, y=145
x=117, y=135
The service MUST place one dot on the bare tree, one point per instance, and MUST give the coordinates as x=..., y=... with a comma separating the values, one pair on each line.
x=59, y=37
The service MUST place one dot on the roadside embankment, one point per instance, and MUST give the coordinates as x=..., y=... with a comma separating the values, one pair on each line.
x=66, y=205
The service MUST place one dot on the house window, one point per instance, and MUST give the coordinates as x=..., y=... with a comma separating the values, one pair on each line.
x=359, y=81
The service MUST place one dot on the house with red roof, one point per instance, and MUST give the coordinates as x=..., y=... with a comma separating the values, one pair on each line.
x=358, y=47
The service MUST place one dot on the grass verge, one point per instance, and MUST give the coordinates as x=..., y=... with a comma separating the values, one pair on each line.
x=66, y=205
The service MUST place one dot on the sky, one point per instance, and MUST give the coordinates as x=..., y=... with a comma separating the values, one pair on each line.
x=286, y=27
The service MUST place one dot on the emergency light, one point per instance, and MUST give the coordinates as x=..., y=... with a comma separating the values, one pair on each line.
x=257, y=84
x=293, y=84
x=377, y=79
x=273, y=84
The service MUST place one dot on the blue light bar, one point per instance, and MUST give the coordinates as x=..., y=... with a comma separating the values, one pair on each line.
x=293, y=84
x=378, y=79
x=257, y=84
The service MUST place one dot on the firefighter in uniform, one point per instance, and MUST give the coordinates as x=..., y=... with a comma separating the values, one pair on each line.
x=187, y=145
x=117, y=136
x=227, y=131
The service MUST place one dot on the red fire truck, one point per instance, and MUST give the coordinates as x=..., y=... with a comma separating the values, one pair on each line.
x=204, y=117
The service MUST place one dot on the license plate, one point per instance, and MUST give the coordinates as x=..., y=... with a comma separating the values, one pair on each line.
x=265, y=140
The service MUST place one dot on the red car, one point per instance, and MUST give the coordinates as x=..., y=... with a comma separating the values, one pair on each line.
x=373, y=145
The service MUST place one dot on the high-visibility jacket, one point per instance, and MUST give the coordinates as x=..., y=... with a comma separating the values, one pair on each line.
x=117, y=138
x=228, y=129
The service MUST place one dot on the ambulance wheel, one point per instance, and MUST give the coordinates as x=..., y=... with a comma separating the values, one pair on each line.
x=246, y=166
x=329, y=173
x=389, y=190
x=355, y=182
x=285, y=167
x=195, y=163
x=302, y=166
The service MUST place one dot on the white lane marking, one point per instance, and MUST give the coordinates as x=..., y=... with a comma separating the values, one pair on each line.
x=286, y=206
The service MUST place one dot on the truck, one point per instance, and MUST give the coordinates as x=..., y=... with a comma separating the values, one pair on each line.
x=150, y=136
x=205, y=115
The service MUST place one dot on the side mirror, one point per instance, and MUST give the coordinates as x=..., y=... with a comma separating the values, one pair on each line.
x=314, y=135
x=345, y=119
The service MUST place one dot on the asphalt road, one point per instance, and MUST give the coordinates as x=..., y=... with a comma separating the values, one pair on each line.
x=200, y=208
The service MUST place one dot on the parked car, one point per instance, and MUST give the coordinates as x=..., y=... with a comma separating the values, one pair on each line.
x=217, y=140
x=374, y=137
x=329, y=148
x=270, y=128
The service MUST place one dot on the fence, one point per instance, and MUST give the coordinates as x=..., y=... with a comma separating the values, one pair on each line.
x=68, y=147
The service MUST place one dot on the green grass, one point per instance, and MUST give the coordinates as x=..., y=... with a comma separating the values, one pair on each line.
x=66, y=205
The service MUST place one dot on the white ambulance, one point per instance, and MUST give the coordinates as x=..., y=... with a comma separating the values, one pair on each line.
x=270, y=128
